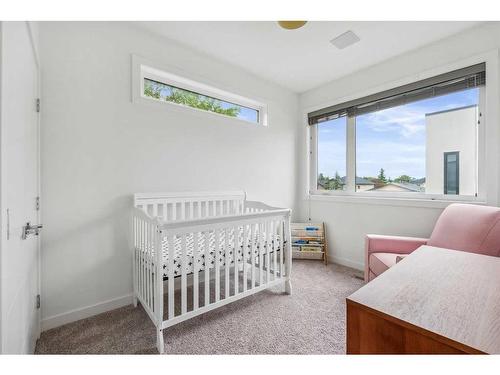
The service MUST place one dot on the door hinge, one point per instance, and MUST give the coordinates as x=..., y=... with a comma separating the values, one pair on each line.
x=37, y=203
x=38, y=301
x=38, y=104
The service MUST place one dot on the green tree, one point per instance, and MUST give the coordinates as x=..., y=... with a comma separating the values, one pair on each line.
x=152, y=91
x=403, y=178
x=381, y=175
x=190, y=99
x=336, y=182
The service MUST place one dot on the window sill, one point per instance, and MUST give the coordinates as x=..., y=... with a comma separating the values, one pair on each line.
x=390, y=201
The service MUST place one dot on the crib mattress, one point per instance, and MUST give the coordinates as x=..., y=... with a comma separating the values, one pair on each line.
x=210, y=259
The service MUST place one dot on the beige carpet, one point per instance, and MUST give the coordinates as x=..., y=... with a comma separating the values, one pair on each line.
x=311, y=321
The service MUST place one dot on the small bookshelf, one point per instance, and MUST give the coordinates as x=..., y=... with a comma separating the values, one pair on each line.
x=309, y=241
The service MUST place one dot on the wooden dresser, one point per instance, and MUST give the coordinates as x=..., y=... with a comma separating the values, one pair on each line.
x=435, y=301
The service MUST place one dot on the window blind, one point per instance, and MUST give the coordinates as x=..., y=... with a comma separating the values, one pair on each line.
x=457, y=80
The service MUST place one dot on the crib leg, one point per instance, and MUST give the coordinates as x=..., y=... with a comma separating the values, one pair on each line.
x=134, y=300
x=159, y=341
x=288, y=286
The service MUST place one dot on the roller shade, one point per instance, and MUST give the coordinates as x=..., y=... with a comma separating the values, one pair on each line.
x=457, y=80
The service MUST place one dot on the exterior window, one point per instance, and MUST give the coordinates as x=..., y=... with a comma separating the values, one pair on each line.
x=392, y=143
x=151, y=84
x=400, y=149
x=451, y=173
x=164, y=92
x=332, y=141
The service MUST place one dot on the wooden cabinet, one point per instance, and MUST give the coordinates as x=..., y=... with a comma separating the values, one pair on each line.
x=435, y=301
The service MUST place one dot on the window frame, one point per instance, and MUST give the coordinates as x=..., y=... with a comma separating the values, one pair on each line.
x=486, y=98
x=143, y=69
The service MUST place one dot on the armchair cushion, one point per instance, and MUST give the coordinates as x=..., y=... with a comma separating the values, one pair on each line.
x=381, y=262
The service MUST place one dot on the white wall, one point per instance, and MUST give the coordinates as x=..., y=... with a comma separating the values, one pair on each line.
x=348, y=220
x=450, y=131
x=98, y=148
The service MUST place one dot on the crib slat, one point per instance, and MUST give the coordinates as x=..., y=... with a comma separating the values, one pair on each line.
x=199, y=209
x=183, y=210
x=207, y=268
x=253, y=239
x=183, y=274
x=136, y=251
x=227, y=262
x=142, y=259
x=235, y=257
x=170, y=275
x=281, y=247
x=146, y=263
x=217, y=264
x=244, y=257
x=191, y=210
x=174, y=211
x=268, y=251
x=261, y=255
x=196, y=270
x=150, y=264
x=275, y=246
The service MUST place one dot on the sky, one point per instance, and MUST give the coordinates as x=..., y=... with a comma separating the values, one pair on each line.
x=393, y=139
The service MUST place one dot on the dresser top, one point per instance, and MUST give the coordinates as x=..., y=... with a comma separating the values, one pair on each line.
x=452, y=293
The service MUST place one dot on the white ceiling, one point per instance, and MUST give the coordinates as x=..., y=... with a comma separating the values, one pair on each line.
x=303, y=59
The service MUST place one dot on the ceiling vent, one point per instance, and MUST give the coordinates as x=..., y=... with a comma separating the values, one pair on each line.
x=345, y=40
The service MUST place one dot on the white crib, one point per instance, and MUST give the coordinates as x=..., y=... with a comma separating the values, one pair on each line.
x=209, y=248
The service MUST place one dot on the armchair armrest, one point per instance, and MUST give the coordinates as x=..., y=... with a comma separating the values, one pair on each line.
x=393, y=244
x=376, y=243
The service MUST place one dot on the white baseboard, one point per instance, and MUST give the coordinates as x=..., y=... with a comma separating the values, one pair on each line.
x=85, y=312
x=99, y=308
x=347, y=262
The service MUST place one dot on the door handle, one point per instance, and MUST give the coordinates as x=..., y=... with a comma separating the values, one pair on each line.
x=31, y=229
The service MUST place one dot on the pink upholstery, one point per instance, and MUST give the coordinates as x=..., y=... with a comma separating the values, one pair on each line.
x=376, y=245
x=464, y=227
x=381, y=262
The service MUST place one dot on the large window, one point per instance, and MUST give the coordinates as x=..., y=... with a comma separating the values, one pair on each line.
x=395, y=143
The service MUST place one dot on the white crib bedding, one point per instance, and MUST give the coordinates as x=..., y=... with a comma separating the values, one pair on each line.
x=202, y=262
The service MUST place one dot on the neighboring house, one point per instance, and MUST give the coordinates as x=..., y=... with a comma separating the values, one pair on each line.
x=400, y=187
x=451, y=156
x=362, y=184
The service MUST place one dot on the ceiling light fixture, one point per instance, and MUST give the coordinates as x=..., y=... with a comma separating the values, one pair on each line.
x=291, y=25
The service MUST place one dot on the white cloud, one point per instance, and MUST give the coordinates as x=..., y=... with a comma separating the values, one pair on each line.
x=406, y=122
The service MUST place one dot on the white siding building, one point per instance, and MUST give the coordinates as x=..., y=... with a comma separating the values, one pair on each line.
x=451, y=151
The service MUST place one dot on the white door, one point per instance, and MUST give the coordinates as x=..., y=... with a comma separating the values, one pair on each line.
x=19, y=156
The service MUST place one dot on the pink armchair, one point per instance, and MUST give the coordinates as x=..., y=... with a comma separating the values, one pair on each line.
x=463, y=227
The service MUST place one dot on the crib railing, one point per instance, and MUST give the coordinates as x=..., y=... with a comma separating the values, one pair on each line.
x=189, y=206
x=265, y=264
